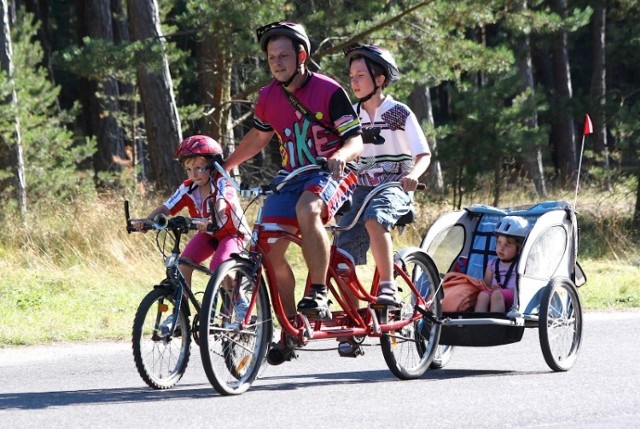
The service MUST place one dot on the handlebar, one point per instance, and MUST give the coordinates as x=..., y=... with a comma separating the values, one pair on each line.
x=160, y=222
x=270, y=189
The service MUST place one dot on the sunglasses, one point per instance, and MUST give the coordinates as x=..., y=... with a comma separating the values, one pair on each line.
x=262, y=30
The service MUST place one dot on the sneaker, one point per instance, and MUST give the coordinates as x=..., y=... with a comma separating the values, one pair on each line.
x=388, y=295
x=349, y=349
x=316, y=303
x=240, y=309
x=167, y=326
x=280, y=353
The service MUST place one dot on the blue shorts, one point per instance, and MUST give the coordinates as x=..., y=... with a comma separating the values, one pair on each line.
x=386, y=208
x=280, y=208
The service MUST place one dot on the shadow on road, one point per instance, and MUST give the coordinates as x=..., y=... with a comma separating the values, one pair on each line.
x=43, y=400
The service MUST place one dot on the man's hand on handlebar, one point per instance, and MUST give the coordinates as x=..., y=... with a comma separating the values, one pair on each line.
x=336, y=165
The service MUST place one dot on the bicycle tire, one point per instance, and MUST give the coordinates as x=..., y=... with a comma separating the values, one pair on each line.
x=161, y=360
x=232, y=357
x=408, y=352
x=560, y=324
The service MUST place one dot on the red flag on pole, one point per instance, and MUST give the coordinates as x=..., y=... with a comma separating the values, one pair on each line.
x=588, y=126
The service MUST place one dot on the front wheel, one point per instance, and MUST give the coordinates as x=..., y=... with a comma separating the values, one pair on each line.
x=161, y=358
x=235, y=328
x=560, y=324
x=409, y=351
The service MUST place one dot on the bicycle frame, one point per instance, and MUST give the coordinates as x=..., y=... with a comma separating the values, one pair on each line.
x=232, y=356
x=342, y=280
x=174, y=278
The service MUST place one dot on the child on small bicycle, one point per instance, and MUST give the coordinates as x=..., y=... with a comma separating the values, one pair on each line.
x=207, y=194
x=395, y=149
x=501, y=274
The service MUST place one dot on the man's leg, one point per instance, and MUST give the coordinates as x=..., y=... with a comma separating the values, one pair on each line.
x=315, y=242
x=284, y=275
x=310, y=211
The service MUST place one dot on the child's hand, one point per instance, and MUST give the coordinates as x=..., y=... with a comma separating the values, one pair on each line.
x=202, y=226
x=138, y=225
x=409, y=183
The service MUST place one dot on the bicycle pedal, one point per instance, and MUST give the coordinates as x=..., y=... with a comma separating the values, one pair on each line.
x=317, y=314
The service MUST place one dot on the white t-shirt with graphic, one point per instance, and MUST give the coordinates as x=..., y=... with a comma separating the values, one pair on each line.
x=392, y=141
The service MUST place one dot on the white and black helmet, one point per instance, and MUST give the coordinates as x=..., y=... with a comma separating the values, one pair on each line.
x=379, y=56
x=292, y=30
x=513, y=226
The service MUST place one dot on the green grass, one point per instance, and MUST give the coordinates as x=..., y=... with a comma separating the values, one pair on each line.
x=74, y=274
x=611, y=285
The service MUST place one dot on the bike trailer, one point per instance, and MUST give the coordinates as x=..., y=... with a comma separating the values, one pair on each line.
x=548, y=273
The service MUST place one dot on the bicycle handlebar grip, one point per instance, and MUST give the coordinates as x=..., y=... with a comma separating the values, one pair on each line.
x=130, y=228
x=421, y=187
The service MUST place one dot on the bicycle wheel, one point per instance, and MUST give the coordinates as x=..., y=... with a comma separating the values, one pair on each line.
x=409, y=351
x=443, y=355
x=160, y=359
x=232, y=354
x=560, y=324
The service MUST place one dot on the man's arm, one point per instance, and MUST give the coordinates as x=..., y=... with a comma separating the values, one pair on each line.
x=252, y=143
x=349, y=151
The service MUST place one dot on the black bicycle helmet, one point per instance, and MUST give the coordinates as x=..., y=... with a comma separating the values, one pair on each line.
x=283, y=28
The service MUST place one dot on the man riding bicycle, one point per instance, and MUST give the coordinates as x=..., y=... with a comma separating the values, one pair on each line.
x=312, y=117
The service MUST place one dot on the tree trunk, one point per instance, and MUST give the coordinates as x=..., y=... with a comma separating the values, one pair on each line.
x=105, y=101
x=420, y=102
x=532, y=150
x=636, y=214
x=565, y=135
x=214, y=85
x=599, y=85
x=40, y=9
x=11, y=151
x=161, y=119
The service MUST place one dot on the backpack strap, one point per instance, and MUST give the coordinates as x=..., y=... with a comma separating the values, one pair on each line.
x=307, y=114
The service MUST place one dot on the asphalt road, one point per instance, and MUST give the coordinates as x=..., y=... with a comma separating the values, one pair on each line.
x=97, y=385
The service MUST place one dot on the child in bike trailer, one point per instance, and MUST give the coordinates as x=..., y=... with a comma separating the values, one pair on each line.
x=312, y=118
x=207, y=194
x=501, y=273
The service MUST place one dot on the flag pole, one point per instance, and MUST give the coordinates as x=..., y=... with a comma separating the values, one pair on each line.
x=588, y=129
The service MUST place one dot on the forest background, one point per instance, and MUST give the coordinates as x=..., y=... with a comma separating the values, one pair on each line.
x=95, y=95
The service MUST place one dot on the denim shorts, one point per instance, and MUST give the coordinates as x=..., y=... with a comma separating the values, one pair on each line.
x=280, y=208
x=385, y=208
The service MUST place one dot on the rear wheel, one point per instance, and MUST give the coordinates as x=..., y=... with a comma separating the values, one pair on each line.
x=232, y=352
x=409, y=350
x=560, y=324
x=442, y=357
x=161, y=359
